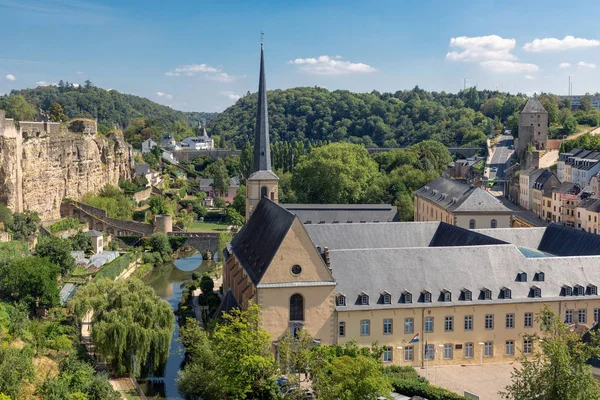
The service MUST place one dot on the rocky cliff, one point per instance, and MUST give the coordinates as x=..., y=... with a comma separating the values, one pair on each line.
x=52, y=165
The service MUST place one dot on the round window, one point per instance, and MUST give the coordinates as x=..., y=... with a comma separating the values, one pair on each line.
x=296, y=269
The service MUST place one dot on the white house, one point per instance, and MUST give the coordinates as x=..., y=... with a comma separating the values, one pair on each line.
x=148, y=145
x=199, y=142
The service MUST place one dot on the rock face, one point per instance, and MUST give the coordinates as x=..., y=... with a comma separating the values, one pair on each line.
x=38, y=169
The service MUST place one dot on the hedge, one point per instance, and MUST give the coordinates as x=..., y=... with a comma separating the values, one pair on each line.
x=114, y=268
x=177, y=241
x=130, y=240
x=406, y=381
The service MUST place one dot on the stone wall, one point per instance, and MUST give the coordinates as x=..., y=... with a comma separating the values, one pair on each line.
x=142, y=195
x=38, y=171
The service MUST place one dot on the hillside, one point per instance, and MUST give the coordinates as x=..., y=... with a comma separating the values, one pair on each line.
x=110, y=108
x=374, y=119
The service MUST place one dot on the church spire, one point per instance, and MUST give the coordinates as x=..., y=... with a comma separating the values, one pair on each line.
x=262, y=150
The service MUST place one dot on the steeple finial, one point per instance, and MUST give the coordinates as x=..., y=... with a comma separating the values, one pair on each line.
x=262, y=150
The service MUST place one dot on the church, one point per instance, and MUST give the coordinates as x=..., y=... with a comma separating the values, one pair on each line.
x=426, y=291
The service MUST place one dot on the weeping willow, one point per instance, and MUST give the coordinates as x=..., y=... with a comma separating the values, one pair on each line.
x=131, y=325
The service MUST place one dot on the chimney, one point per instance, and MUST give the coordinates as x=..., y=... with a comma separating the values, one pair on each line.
x=327, y=259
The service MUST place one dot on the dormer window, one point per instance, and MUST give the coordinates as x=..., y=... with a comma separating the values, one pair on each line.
x=487, y=294
x=447, y=296
x=522, y=277
x=592, y=290
x=506, y=293
x=467, y=295
x=426, y=297
x=537, y=292
x=568, y=290
x=341, y=300
x=539, y=276
x=387, y=298
x=579, y=291
x=407, y=297
x=364, y=299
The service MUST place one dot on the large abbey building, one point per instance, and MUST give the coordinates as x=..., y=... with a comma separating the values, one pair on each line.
x=472, y=295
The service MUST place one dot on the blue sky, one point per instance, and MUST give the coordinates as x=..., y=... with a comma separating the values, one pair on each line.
x=201, y=55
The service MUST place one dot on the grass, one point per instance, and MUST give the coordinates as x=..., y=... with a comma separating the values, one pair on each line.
x=207, y=227
x=131, y=395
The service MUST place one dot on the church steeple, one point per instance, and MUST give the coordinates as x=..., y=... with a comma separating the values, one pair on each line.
x=262, y=148
x=262, y=182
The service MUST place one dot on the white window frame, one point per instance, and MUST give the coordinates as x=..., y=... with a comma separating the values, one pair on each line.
x=528, y=320
x=569, y=317
x=468, y=295
x=509, y=348
x=448, y=351
x=409, y=325
x=341, y=300
x=469, y=347
x=469, y=322
x=447, y=296
x=365, y=327
x=342, y=329
x=426, y=297
x=487, y=294
x=537, y=292
x=593, y=290
x=409, y=353
x=448, y=323
x=527, y=346
x=489, y=318
x=388, y=355
x=407, y=297
x=582, y=316
x=510, y=321
x=429, y=321
x=488, y=349
x=388, y=326
x=568, y=291
x=387, y=298
x=364, y=299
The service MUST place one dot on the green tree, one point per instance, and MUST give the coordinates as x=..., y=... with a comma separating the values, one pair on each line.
x=237, y=358
x=131, y=325
x=246, y=159
x=16, y=370
x=239, y=200
x=160, y=244
x=218, y=172
x=80, y=241
x=24, y=225
x=336, y=173
x=233, y=217
x=6, y=217
x=19, y=109
x=159, y=205
x=558, y=368
x=12, y=250
x=351, y=378
x=570, y=125
x=57, y=251
x=207, y=285
x=57, y=114
x=31, y=280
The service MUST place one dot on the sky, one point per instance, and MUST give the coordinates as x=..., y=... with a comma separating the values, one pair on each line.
x=199, y=55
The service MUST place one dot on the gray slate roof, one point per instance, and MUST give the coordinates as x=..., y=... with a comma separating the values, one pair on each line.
x=343, y=213
x=257, y=242
x=262, y=148
x=459, y=197
x=142, y=169
x=233, y=182
x=590, y=204
x=520, y=237
x=93, y=233
x=534, y=106
x=434, y=269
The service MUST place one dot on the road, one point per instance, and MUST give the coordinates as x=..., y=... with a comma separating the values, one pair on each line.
x=502, y=153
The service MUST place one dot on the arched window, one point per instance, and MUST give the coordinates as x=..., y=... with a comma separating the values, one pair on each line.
x=296, y=308
x=472, y=224
x=494, y=223
x=263, y=192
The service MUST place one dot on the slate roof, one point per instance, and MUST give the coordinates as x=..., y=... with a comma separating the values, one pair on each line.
x=534, y=106
x=142, y=169
x=563, y=241
x=205, y=182
x=542, y=179
x=520, y=237
x=372, y=235
x=257, y=242
x=459, y=197
x=93, y=233
x=343, y=213
x=262, y=151
x=568, y=188
x=590, y=204
x=434, y=269
x=227, y=304
x=451, y=235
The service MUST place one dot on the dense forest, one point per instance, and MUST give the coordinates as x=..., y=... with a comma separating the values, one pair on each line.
x=374, y=119
x=111, y=108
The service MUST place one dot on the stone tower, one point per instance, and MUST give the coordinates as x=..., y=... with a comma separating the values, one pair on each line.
x=533, y=127
x=262, y=182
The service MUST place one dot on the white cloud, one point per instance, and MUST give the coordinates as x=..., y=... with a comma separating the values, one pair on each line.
x=165, y=95
x=530, y=77
x=79, y=73
x=231, y=95
x=221, y=77
x=10, y=77
x=41, y=83
x=509, y=66
x=481, y=48
x=325, y=65
x=76, y=85
x=554, y=44
x=564, y=65
x=586, y=65
x=191, y=70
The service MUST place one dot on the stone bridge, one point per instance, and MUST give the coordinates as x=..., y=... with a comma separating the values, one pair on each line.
x=201, y=241
x=99, y=220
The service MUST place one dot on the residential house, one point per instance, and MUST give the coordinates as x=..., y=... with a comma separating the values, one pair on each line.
x=203, y=142
x=545, y=181
x=466, y=169
x=148, y=145
x=565, y=199
x=578, y=166
x=547, y=204
x=588, y=215
x=206, y=185
x=526, y=181
x=153, y=177
x=594, y=185
x=168, y=156
x=460, y=204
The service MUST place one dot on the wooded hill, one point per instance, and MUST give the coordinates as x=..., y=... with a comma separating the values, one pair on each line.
x=110, y=107
x=374, y=119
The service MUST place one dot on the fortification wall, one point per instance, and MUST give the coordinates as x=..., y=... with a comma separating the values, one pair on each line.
x=38, y=171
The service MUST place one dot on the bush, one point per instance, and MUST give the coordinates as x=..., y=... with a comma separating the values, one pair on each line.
x=219, y=203
x=176, y=242
x=152, y=258
x=64, y=225
x=408, y=382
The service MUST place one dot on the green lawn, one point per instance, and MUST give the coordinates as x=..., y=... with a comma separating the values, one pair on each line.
x=207, y=227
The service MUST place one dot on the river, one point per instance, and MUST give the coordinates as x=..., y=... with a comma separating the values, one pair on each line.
x=166, y=281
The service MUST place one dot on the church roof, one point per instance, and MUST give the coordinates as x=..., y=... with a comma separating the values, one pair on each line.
x=227, y=304
x=448, y=235
x=262, y=151
x=343, y=213
x=567, y=242
x=258, y=241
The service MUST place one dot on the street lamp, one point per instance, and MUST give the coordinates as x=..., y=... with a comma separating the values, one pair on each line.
x=481, y=344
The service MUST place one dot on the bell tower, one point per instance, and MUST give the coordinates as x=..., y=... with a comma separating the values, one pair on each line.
x=262, y=182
